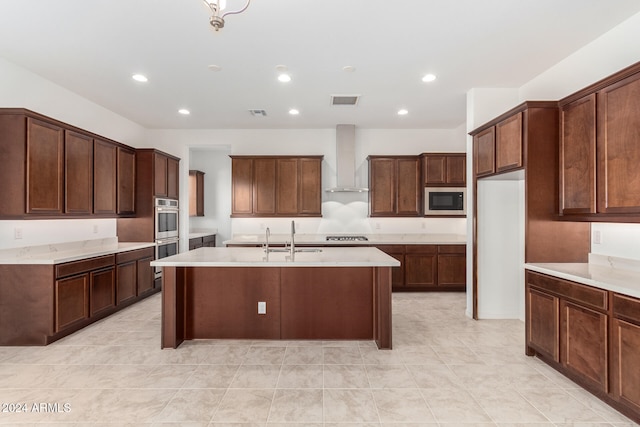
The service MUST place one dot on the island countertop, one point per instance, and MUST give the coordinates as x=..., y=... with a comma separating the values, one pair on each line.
x=256, y=257
x=372, y=239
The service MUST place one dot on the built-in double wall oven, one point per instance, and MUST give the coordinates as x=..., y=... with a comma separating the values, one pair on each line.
x=167, y=231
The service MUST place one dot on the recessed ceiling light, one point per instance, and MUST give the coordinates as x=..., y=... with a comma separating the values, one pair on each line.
x=403, y=112
x=294, y=112
x=348, y=68
x=284, y=78
x=139, y=78
x=429, y=78
x=184, y=111
x=214, y=67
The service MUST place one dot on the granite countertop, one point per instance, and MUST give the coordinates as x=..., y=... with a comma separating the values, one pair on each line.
x=373, y=239
x=65, y=252
x=194, y=234
x=603, y=272
x=256, y=257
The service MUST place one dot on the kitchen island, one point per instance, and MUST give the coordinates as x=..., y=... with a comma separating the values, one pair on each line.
x=246, y=293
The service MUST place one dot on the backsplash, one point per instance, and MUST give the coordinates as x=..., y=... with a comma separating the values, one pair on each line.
x=17, y=234
x=616, y=240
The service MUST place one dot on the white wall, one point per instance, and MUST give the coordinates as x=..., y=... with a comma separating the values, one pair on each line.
x=41, y=232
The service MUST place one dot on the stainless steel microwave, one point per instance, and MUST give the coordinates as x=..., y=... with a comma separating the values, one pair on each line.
x=445, y=201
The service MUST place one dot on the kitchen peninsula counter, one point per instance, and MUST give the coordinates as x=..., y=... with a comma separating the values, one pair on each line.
x=372, y=239
x=329, y=294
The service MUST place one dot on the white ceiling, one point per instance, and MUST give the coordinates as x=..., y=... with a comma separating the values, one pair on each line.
x=92, y=47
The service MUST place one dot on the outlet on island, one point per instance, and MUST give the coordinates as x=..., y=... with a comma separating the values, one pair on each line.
x=262, y=307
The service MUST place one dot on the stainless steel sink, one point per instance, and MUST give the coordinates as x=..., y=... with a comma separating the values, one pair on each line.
x=308, y=250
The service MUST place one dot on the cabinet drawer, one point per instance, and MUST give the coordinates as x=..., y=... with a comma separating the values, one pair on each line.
x=208, y=239
x=627, y=308
x=591, y=297
x=452, y=249
x=421, y=249
x=76, y=267
x=128, y=256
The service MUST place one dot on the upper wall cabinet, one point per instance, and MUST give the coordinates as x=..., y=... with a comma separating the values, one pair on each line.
x=444, y=169
x=599, y=150
x=264, y=186
x=166, y=175
x=395, y=186
x=51, y=169
x=196, y=193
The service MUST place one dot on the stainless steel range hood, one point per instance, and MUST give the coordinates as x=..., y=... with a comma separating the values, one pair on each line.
x=346, y=161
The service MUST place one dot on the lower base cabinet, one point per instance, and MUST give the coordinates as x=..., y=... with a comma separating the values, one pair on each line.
x=428, y=267
x=208, y=241
x=102, y=293
x=589, y=334
x=71, y=300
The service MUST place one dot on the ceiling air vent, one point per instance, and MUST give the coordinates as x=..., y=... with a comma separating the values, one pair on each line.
x=258, y=113
x=344, y=99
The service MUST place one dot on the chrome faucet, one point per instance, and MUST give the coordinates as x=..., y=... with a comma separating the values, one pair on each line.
x=293, y=241
x=267, y=233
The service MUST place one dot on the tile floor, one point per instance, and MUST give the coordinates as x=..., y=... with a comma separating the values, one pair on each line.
x=444, y=370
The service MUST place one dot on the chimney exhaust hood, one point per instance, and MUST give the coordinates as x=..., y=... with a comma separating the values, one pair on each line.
x=346, y=161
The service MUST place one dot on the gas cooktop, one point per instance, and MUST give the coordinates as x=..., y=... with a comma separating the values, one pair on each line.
x=348, y=238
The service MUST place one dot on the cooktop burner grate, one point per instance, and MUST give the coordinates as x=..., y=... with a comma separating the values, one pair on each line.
x=348, y=238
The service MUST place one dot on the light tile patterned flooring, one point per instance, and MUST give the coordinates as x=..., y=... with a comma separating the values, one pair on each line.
x=444, y=370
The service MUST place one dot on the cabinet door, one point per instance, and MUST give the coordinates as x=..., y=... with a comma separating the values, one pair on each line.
x=578, y=156
x=45, y=173
x=209, y=241
x=126, y=181
x=71, y=301
x=241, y=186
x=421, y=266
x=484, y=145
x=159, y=175
x=310, y=193
x=104, y=177
x=509, y=143
x=543, y=323
x=287, y=179
x=264, y=186
x=457, y=170
x=173, y=178
x=126, y=281
x=618, y=174
x=435, y=170
x=196, y=193
x=382, y=182
x=102, y=290
x=195, y=243
x=397, y=273
x=78, y=173
x=626, y=363
x=583, y=344
x=408, y=187
x=452, y=266
x=145, y=275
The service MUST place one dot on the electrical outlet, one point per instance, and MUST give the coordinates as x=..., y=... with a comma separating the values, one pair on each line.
x=377, y=226
x=262, y=307
x=17, y=233
x=597, y=237
x=95, y=229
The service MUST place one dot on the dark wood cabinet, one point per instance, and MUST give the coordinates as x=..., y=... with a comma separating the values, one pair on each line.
x=509, y=143
x=444, y=169
x=265, y=186
x=144, y=272
x=78, y=173
x=126, y=181
x=543, y=323
x=166, y=179
x=173, y=178
x=484, y=153
x=428, y=267
x=127, y=277
x=208, y=241
x=599, y=152
x=45, y=170
x=71, y=301
x=196, y=193
x=625, y=359
x=395, y=186
x=104, y=177
x=102, y=293
x=134, y=275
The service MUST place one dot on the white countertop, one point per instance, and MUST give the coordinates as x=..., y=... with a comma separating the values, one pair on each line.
x=255, y=257
x=194, y=234
x=373, y=239
x=609, y=273
x=64, y=252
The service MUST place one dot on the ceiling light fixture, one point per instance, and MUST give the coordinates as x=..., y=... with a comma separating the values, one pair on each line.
x=217, y=16
x=294, y=112
x=403, y=112
x=284, y=78
x=429, y=78
x=184, y=111
x=140, y=78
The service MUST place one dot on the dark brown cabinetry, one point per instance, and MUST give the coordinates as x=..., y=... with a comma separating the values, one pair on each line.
x=135, y=275
x=625, y=360
x=264, y=186
x=71, y=301
x=428, y=267
x=127, y=277
x=599, y=152
x=484, y=154
x=208, y=241
x=509, y=143
x=102, y=293
x=166, y=176
x=196, y=193
x=51, y=169
x=395, y=186
x=444, y=169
